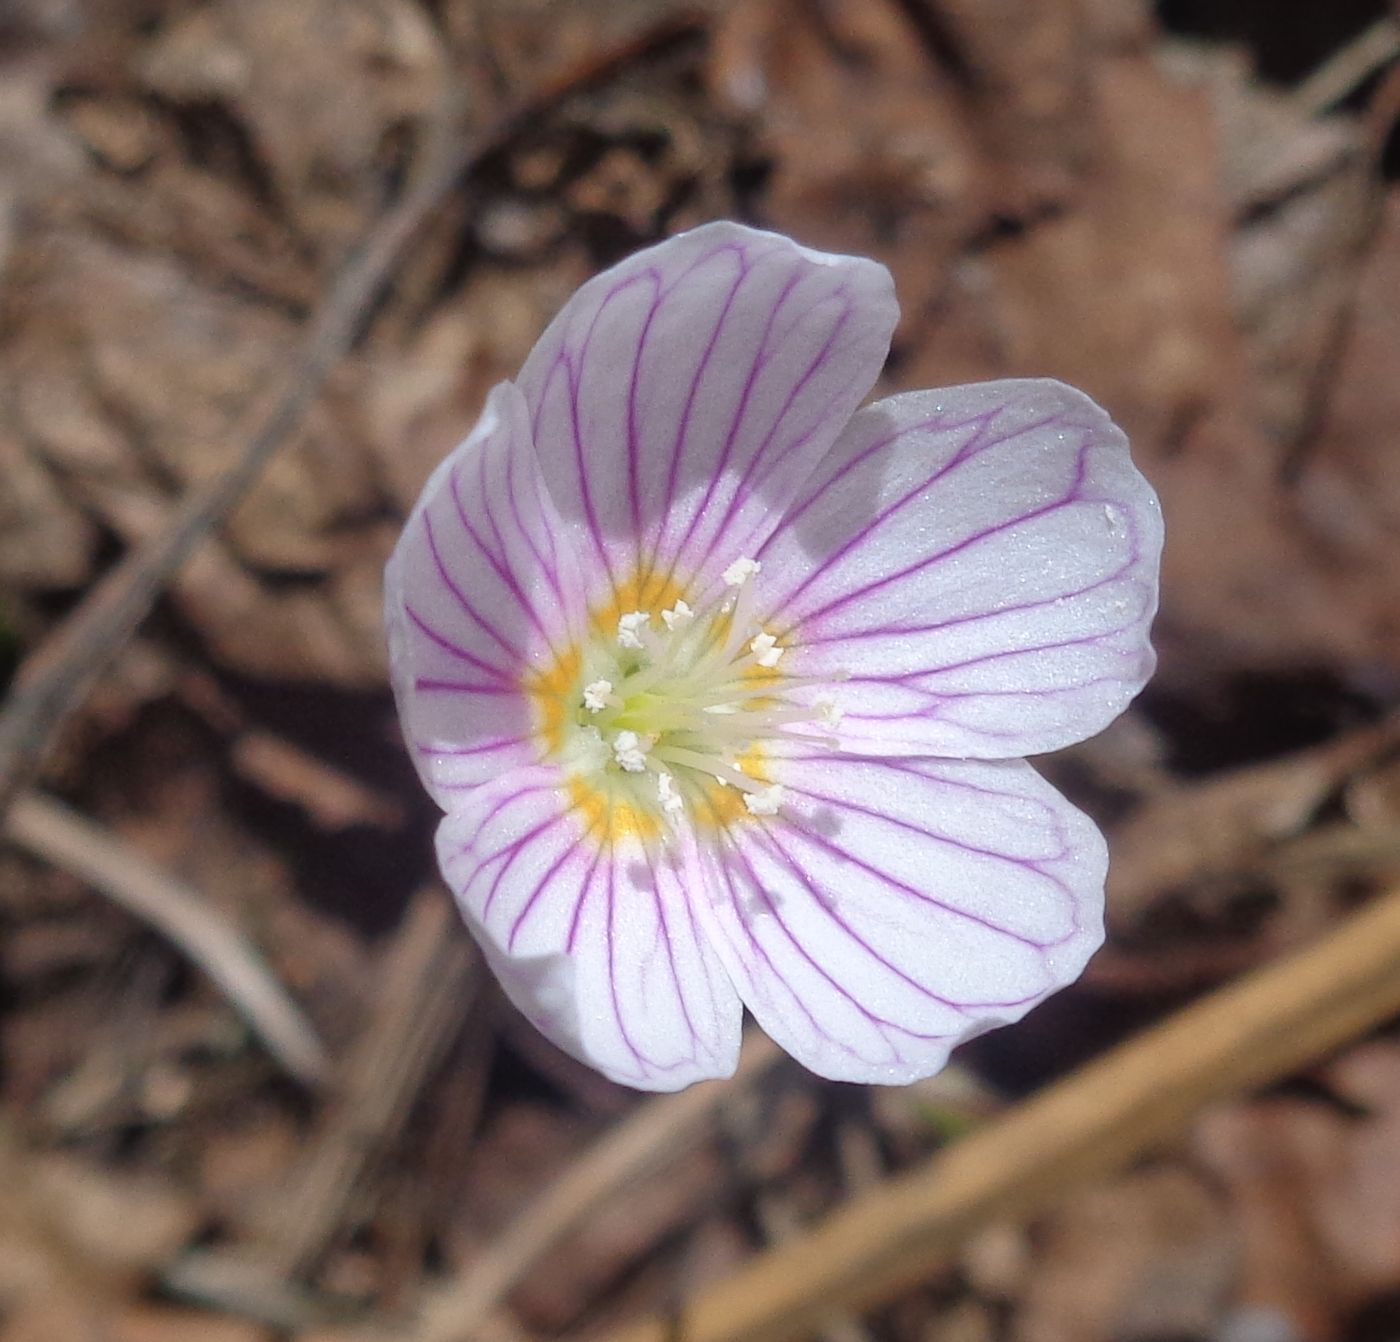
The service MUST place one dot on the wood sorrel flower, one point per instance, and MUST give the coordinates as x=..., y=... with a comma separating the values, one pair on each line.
x=724, y=684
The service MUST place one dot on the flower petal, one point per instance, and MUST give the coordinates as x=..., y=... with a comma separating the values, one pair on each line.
x=479, y=592
x=973, y=570
x=680, y=399
x=595, y=940
x=895, y=908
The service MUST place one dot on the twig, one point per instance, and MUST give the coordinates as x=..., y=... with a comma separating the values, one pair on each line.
x=51, y=831
x=780, y=1224
x=1276, y=1020
x=1335, y=847
x=750, y=1126
x=54, y=679
x=1341, y=74
x=654, y=1135
x=427, y=985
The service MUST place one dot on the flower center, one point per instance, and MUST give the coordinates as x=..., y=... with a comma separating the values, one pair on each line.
x=669, y=711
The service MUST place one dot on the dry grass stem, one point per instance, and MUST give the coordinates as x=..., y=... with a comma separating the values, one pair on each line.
x=1271, y=1023
x=50, y=831
x=428, y=984
x=635, y=1149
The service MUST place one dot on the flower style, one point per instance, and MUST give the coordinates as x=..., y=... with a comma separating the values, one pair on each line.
x=723, y=683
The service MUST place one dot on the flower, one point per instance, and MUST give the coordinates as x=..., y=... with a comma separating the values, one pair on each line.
x=724, y=684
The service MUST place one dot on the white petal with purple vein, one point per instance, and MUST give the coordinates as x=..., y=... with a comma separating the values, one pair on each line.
x=681, y=398
x=894, y=908
x=973, y=571
x=597, y=943
x=480, y=590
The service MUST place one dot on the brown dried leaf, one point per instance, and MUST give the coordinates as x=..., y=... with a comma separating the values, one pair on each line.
x=320, y=87
x=146, y=1323
x=898, y=179
x=44, y=541
x=1147, y=1256
x=67, y=1226
x=1270, y=1154
x=616, y=1239
x=1126, y=292
x=332, y=798
x=1349, y=493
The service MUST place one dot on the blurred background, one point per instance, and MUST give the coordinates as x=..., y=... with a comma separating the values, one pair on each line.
x=254, y=1084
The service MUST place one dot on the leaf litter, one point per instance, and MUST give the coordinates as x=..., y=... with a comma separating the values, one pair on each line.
x=1136, y=200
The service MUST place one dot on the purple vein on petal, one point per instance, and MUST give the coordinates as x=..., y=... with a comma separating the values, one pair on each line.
x=564, y=363
x=911, y=678
x=747, y=483
x=482, y=748
x=487, y=626
x=548, y=566
x=845, y=854
x=634, y=482
x=880, y=1022
x=498, y=567
x=683, y=428
x=581, y=902
x=749, y=479
x=643, y=1062
x=431, y=685
x=911, y=767
x=741, y=410
x=510, y=852
x=1034, y=864
x=660, y=905
x=500, y=804
x=1071, y=495
x=452, y=649
x=755, y=884
x=576, y=380
x=933, y=425
x=975, y=617
x=780, y=854
x=469, y=846
x=736, y=899
x=979, y=441
x=934, y=697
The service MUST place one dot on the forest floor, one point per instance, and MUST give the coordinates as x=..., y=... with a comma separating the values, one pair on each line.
x=254, y=1083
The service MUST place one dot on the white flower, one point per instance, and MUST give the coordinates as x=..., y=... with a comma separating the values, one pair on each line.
x=724, y=683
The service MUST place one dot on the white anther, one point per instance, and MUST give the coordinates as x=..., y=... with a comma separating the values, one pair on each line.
x=671, y=801
x=765, y=802
x=595, y=696
x=737, y=766
x=740, y=571
x=630, y=751
x=629, y=628
x=829, y=714
x=678, y=616
x=721, y=779
x=765, y=650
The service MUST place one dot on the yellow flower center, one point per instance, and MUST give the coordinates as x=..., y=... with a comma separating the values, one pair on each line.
x=667, y=710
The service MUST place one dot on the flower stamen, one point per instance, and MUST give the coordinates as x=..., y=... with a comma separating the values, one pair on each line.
x=691, y=696
x=678, y=617
x=740, y=571
x=765, y=649
x=671, y=801
x=598, y=695
x=630, y=750
x=631, y=627
x=766, y=801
